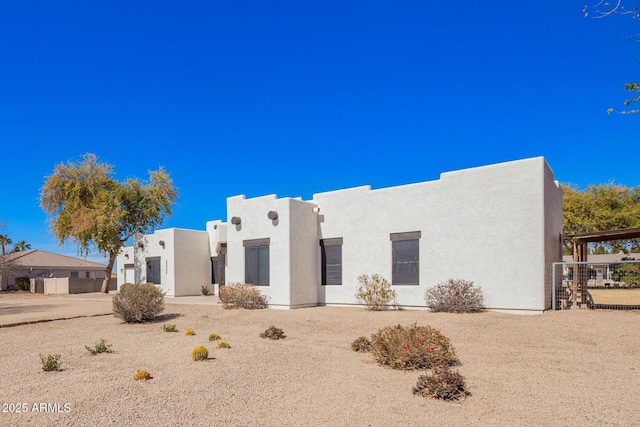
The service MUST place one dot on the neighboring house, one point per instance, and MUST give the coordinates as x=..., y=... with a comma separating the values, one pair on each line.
x=38, y=264
x=498, y=226
x=601, y=268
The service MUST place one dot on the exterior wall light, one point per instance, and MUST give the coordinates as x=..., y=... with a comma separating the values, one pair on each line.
x=272, y=215
x=236, y=220
x=126, y=256
x=161, y=242
x=140, y=245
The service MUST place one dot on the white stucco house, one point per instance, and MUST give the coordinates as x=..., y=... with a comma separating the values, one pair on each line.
x=499, y=226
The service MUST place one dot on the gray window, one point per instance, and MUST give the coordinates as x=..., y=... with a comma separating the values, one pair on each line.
x=87, y=274
x=153, y=270
x=256, y=262
x=331, y=262
x=74, y=275
x=405, y=248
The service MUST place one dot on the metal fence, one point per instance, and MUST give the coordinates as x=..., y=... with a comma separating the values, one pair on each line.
x=611, y=285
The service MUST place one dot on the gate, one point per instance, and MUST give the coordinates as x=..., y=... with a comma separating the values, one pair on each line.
x=596, y=285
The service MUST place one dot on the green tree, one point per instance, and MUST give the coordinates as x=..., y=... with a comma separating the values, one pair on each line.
x=4, y=242
x=87, y=205
x=601, y=207
x=21, y=246
x=629, y=273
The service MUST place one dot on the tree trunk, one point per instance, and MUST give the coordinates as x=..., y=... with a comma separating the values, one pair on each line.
x=107, y=273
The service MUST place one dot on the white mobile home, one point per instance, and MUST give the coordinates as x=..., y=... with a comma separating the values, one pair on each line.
x=498, y=226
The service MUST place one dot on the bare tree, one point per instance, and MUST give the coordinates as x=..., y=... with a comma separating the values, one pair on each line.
x=602, y=9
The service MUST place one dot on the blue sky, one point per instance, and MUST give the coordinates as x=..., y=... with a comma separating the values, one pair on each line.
x=295, y=98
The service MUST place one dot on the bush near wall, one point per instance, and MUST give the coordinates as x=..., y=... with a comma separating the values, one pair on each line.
x=375, y=292
x=455, y=296
x=242, y=295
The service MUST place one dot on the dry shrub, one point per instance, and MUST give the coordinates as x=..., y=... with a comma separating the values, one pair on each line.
x=375, y=292
x=138, y=303
x=455, y=296
x=412, y=347
x=242, y=295
x=273, y=333
x=441, y=383
x=214, y=337
x=142, y=375
x=199, y=353
x=189, y=332
x=223, y=344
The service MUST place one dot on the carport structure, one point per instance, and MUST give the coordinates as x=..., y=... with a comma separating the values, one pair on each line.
x=579, y=293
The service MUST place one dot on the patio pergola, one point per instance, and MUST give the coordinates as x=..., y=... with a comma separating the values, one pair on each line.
x=580, y=252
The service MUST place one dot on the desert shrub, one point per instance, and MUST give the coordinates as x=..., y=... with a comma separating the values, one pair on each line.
x=455, y=296
x=50, y=362
x=189, y=332
x=138, y=303
x=142, y=375
x=441, y=383
x=169, y=328
x=375, y=292
x=241, y=295
x=361, y=344
x=273, y=333
x=199, y=352
x=412, y=347
x=214, y=337
x=204, y=289
x=23, y=283
x=223, y=344
x=100, y=347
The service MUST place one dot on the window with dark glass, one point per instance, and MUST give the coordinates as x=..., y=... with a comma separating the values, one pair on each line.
x=405, y=248
x=331, y=261
x=256, y=262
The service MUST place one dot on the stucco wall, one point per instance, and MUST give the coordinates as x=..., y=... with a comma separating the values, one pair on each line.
x=256, y=225
x=304, y=254
x=217, y=231
x=185, y=262
x=552, y=231
x=192, y=261
x=484, y=224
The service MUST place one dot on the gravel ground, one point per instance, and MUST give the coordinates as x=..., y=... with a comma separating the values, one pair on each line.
x=567, y=368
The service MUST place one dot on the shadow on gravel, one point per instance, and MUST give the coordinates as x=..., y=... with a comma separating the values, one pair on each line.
x=165, y=317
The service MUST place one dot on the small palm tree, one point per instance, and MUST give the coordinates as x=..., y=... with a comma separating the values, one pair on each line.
x=21, y=246
x=4, y=242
